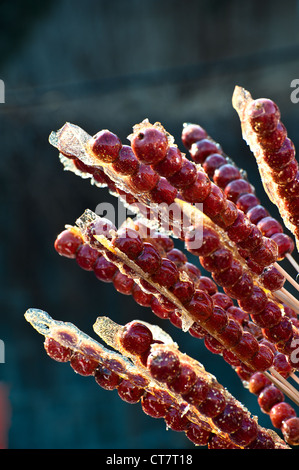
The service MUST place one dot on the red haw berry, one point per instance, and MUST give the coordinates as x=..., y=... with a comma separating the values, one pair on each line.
x=272, y=279
x=263, y=360
x=136, y=338
x=262, y=441
x=217, y=321
x=225, y=174
x=213, y=162
x=247, y=202
x=222, y=300
x=128, y=242
x=215, y=202
x=272, y=141
x=83, y=365
x=284, y=243
x=177, y=256
x=198, y=393
x=86, y=257
x=235, y=189
x=206, y=284
x=247, y=347
x=254, y=303
x=183, y=290
x=246, y=433
x=200, y=150
x=171, y=164
x=231, y=335
x=200, y=306
x=258, y=381
x=268, y=397
x=158, y=309
x=176, y=420
x=268, y=226
x=167, y=275
x=149, y=259
x=270, y=316
x=192, y=133
x=105, y=145
x=230, y=276
x=281, y=332
x=67, y=244
x=104, y=270
x=257, y=213
x=199, y=190
x=163, y=365
x=155, y=405
x=230, y=419
x=280, y=158
x=281, y=365
x=214, y=404
x=126, y=163
x=163, y=192
x=242, y=289
x=281, y=412
x=213, y=345
x=185, y=176
x=150, y=145
x=123, y=283
x=183, y=382
x=57, y=351
x=263, y=115
x=240, y=229
x=106, y=378
x=202, y=244
x=141, y=297
x=199, y=434
x=290, y=430
x=129, y=392
x=144, y=180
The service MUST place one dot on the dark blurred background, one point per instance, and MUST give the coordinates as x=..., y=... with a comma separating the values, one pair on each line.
x=110, y=64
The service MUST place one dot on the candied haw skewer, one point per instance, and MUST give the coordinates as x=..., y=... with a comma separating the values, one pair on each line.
x=272, y=402
x=195, y=186
x=107, y=272
x=198, y=306
x=65, y=343
x=260, y=121
x=168, y=366
x=224, y=171
x=257, y=302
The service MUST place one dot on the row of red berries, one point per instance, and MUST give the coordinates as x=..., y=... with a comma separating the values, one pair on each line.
x=71, y=245
x=275, y=150
x=155, y=157
x=147, y=145
x=272, y=401
x=270, y=278
x=237, y=188
x=198, y=303
x=231, y=428
x=172, y=369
